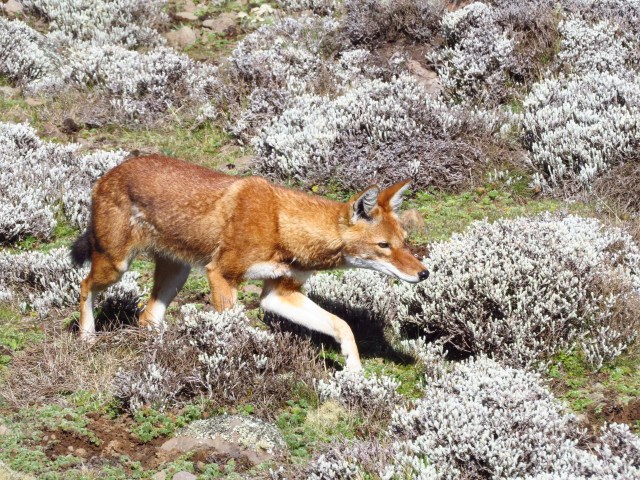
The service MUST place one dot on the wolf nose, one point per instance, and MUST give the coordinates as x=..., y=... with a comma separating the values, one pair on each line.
x=423, y=275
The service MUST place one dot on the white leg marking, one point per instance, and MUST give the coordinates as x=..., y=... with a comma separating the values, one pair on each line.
x=301, y=310
x=166, y=293
x=88, y=330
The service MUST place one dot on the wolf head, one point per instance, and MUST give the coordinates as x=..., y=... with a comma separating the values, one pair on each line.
x=375, y=238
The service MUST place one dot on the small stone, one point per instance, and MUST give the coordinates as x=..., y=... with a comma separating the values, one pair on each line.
x=184, y=476
x=223, y=23
x=13, y=8
x=4, y=430
x=183, y=37
x=70, y=448
x=161, y=475
x=69, y=125
x=189, y=6
x=81, y=452
x=427, y=78
x=250, y=288
x=186, y=16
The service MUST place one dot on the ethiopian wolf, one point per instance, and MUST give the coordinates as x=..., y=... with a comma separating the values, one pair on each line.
x=237, y=228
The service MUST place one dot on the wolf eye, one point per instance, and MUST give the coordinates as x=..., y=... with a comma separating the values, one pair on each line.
x=384, y=245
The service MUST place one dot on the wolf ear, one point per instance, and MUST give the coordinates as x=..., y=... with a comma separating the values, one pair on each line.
x=362, y=204
x=391, y=198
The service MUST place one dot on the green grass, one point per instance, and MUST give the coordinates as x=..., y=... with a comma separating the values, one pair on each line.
x=199, y=144
x=306, y=425
x=15, y=333
x=445, y=214
x=585, y=391
x=151, y=423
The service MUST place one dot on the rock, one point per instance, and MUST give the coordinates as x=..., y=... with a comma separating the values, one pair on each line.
x=229, y=436
x=189, y=6
x=13, y=8
x=4, y=430
x=183, y=37
x=81, y=452
x=186, y=16
x=223, y=23
x=9, y=92
x=184, y=476
x=251, y=288
x=161, y=475
x=427, y=78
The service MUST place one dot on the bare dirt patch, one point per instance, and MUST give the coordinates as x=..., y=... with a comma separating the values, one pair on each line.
x=114, y=440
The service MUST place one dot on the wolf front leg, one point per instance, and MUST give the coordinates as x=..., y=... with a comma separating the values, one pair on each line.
x=283, y=297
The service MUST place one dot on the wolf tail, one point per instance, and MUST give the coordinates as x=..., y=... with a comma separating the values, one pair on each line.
x=82, y=248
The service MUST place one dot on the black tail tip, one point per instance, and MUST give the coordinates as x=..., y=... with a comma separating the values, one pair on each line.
x=81, y=249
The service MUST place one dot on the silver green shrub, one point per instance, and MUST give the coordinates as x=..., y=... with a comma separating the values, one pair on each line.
x=486, y=420
x=38, y=177
x=140, y=86
x=321, y=7
x=375, y=395
x=376, y=129
x=625, y=13
x=372, y=21
x=477, y=56
x=127, y=23
x=580, y=123
x=522, y=289
x=45, y=281
x=27, y=57
x=216, y=355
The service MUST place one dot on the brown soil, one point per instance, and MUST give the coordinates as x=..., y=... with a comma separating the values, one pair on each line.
x=115, y=441
x=615, y=412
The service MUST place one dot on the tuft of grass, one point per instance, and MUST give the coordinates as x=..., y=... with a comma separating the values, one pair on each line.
x=307, y=426
x=15, y=333
x=151, y=423
x=200, y=144
x=445, y=214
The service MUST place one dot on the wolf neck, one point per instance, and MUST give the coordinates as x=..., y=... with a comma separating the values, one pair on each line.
x=311, y=230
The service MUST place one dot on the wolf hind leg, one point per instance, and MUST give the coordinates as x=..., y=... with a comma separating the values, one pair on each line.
x=284, y=298
x=104, y=273
x=168, y=279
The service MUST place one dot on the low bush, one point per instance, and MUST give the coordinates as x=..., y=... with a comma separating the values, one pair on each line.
x=44, y=281
x=521, y=289
x=584, y=120
x=477, y=57
x=220, y=356
x=40, y=178
x=377, y=130
x=137, y=87
x=374, y=21
x=485, y=420
x=28, y=58
x=373, y=396
x=121, y=22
